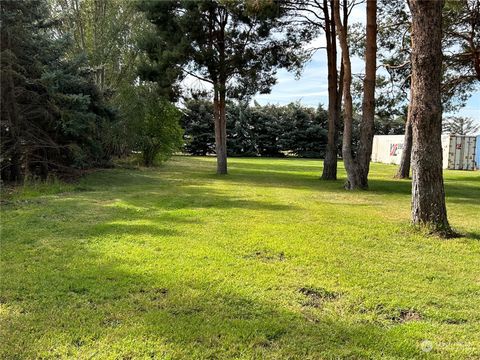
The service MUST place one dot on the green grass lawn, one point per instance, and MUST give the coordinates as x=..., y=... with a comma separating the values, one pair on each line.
x=267, y=262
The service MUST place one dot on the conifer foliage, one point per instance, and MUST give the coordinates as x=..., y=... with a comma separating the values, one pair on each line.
x=52, y=115
x=235, y=46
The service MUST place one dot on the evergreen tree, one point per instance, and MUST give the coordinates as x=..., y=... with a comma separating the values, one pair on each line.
x=52, y=113
x=23, y=96
x=234, y=46
x=304, y=131
x=268, y=125
x=269, y=130
x=199, y=133
x=241, y=132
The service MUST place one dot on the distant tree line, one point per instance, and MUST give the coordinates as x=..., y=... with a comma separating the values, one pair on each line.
x=270, y=130
x=256, y=130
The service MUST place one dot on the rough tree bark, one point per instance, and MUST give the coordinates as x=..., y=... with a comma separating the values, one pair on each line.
x=403, y=171
x=334, y=106
x=428, y=194
x=359, y=166
x=219, y=102
x=368, y=105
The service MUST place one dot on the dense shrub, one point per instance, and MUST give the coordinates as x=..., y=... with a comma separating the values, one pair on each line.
x=52, y=114
x=151, y=123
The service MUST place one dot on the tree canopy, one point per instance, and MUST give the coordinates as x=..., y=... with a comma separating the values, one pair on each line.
x=235, y=46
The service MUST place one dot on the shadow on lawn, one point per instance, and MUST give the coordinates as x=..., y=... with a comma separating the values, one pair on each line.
x=458, y=192
x=89, y=302
x=461, y=193
x=284, y=174
x=117, y=208
x=474, y=235
x=167, y=193
x=76, y=296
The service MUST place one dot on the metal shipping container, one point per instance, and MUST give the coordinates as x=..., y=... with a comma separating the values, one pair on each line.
x=458, y=152
x=461, y=154
x=387, y=149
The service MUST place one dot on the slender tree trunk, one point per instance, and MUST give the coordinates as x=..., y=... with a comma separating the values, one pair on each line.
x=428, y=194
x=347, y=95
x=339, y=120
x=330, y=161
x=404, y=168
x=220, y=95
x=358, y=168
x=368, y=105
x=219, y=103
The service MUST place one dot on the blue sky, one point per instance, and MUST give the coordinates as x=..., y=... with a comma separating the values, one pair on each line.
x=311, y=88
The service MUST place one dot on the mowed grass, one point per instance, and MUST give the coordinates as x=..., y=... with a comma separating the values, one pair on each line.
x=267, y=262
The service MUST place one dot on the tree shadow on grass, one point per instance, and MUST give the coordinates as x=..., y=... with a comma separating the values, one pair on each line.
x=280, y=174
x=88, y=302
x=193, y=192
x=66, y=298
x=202, y=198
x=458, y=192
x=473, y=235
x=98, y=214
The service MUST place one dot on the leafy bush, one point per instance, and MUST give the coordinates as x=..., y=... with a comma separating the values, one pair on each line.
x=151, y=124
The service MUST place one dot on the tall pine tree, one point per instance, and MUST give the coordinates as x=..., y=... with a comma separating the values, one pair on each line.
x=235, y=46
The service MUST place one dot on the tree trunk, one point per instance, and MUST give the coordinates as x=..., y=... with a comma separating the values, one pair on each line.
x=358, y=168
x=330, y=161
x=428, y=194
x=219, y=102
x=347, y=95
x=404, y=168
x=220, y=93
x=368, y=104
